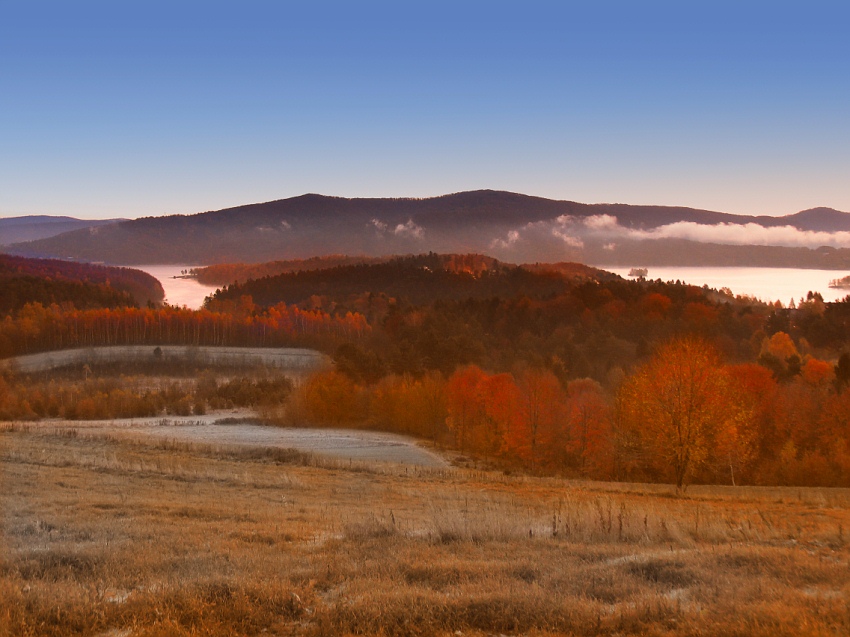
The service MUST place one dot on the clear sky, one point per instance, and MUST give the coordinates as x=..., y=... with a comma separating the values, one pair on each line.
x=125, y=108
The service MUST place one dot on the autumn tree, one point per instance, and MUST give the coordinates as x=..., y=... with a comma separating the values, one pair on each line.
x=331, y=397
x=779, y=354
x=502, y=400
x=677, y=403
x=463, y=403
x=536, y=435
x=758, y=440
x=588, y=420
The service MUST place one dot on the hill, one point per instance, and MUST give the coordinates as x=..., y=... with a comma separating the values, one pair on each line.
x=49, y=281
x=512, y=227
x=417, y=279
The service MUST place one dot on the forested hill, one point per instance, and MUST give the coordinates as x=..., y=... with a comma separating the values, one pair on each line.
x=513, y=227
x=420, y=279
x=84, y=285
x=228, y=273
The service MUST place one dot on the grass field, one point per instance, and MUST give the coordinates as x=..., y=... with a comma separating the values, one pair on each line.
x=120, y=537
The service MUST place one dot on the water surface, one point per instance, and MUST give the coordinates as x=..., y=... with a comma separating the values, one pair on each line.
x=767, y=284
x=180, y=292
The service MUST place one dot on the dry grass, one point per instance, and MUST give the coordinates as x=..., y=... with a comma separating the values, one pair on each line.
x=111, y=536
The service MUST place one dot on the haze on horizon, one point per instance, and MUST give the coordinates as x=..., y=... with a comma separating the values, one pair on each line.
x=147, y=109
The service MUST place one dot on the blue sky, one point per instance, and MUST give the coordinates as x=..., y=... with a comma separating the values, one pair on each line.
x=125, y=108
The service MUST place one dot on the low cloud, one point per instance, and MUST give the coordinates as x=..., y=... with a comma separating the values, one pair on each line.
x=380, y=225
x=748, y=234
x=596, y=223
x=575, y=232
x=511, y=238
x=568, y=238
x=409, y=230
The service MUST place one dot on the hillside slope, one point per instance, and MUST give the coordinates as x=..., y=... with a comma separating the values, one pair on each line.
x=510, y=226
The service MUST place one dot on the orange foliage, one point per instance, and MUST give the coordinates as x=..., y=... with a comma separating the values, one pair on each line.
x=656, y=304
x=589, y=421
x=537, y=435
x=818, y=373
x=463, y=403
x=676, y=404
x=781, y=346
x=332, y=398
x=37, y=328
x=416, y=407
x=700, y=316
x=502, y=405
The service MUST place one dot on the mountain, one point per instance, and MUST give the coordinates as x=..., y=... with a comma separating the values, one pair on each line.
x=34, y=227
x=816, y=219
x=509, y=226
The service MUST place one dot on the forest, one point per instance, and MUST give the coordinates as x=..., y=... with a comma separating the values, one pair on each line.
x=524, y=368
x=85, y=285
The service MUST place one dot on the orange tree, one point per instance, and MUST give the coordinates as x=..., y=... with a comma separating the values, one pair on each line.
x=678, y=405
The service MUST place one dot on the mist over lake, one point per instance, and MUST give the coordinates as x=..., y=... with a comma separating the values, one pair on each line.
x=767, y=284
x=179, y=291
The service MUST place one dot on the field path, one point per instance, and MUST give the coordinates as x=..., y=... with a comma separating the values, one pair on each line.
x=344, y=444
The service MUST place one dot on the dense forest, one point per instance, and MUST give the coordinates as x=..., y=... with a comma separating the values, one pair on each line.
x=527, y=368
x=223, y=274
x=85, y=285
x=419, y=279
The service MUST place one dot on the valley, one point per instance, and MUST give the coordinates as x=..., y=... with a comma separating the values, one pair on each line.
x=424, y=445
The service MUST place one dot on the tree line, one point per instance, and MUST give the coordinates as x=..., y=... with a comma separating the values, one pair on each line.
x=533, y=370
x=681, y=416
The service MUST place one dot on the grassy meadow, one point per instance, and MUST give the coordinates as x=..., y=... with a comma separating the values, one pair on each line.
x=138, y=537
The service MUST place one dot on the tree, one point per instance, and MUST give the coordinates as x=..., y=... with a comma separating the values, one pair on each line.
x=501, y=398
x=331, y=397
x=842, y=372
x=676, y=404
x=463, y=403
x=534, y=434
x=590, y=438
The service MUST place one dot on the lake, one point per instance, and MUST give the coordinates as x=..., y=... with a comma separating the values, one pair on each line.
x=767, y=284
x=178, y=291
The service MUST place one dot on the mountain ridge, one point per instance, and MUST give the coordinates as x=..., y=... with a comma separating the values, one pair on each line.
x=511, y=226
x=34, y=227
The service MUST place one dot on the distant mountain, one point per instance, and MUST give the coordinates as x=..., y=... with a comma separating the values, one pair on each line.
x=508, y=226
x=34, y=227
x=816, y=219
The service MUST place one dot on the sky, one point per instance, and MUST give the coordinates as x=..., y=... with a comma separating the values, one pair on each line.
x=128, y=109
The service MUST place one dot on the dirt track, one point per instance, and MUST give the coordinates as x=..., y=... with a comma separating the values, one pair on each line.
x=345, y=444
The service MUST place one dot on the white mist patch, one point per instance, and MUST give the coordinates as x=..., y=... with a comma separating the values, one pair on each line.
x=598, y=223
x=748, y=234
x=409, y=230
x=575, y=232
x=379, y=225
x=567, y=238
x=511, y=238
